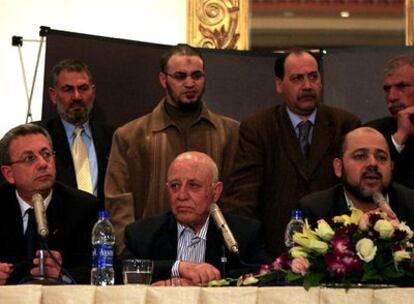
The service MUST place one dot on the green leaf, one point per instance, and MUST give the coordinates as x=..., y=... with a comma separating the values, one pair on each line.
x=312, y=279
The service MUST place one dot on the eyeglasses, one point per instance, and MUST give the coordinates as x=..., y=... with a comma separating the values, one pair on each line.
x=30, y=158
x=181, y=76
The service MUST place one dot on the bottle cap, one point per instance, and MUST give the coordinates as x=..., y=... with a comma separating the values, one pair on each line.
x=103, y=214
x=296, y=214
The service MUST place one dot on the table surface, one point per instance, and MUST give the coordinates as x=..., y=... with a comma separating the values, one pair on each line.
x=150, y=295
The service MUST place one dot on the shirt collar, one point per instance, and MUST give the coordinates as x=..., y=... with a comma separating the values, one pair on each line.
x=295, y=119
x=202, y=234
x=70, y=129
x=350, y=205
x=161, y=120
x=24, y=206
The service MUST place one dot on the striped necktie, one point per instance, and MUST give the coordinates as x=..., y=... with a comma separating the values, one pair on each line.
x=81, y=162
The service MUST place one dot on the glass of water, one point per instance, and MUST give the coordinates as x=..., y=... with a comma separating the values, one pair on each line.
x=137, y=271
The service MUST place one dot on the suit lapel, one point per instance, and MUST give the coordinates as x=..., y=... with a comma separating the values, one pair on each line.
x=64, y=156
x=213, y=245
x=290, y=142
x=322, y=138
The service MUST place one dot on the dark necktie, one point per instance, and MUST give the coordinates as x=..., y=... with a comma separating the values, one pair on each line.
x=304, y=129
x=31, y=236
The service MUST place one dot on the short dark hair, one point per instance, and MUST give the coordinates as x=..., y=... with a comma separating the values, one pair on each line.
x=21, y=130
x=398, y=61
x=281, y=58
x=180, y=49
x=71, y=65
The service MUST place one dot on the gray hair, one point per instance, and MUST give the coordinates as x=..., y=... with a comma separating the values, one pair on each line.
x=71, y=65
x=21, y=130
x=397, y=62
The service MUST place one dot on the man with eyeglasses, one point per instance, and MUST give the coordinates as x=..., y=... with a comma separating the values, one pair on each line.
x=286, y=151
x=398, y=128
x=143, y=148
x=27, y=162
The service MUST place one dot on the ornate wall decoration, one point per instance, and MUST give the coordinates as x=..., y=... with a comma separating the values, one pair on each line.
x=221, y=24
x=409, y=22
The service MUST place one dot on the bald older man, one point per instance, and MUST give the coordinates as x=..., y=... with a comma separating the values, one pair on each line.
x=365, y=167
x=185, y=243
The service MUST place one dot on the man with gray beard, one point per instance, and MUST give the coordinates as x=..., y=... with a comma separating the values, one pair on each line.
x=73, y=92
x=399, y=129
x=365, y=168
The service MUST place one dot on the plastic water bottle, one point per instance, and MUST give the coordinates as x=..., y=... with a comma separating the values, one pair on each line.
x=103, y=240
x=295, y=225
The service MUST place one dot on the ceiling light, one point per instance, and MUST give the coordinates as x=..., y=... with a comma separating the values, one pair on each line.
x=344, y=14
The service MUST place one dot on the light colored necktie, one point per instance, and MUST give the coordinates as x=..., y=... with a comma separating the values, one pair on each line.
x=304, y=129
x=81, y=162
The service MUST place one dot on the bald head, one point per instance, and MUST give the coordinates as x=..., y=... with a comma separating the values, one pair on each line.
x=361, y=134
x=192, y=187
x=198, y=161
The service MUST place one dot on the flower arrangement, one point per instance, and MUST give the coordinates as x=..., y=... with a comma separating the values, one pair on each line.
x=353, y=249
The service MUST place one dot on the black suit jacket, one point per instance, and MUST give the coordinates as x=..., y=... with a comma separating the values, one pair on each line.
x=403, y=171
x=270, y=172
x=65, y=170
x=331, y=202
x=155, y=238
x=71, y=215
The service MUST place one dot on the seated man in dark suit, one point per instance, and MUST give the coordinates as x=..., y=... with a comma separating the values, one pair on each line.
x=365, y=167
x=27, y=162
x=185, y=242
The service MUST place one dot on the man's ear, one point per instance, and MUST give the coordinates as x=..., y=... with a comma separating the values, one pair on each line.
x=217, y=190
x=338, y=166
x=7, y=173
x=278, y=85
x=163, y=79
x=52, y=94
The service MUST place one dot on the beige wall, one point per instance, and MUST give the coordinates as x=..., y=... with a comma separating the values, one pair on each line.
x=141, y=20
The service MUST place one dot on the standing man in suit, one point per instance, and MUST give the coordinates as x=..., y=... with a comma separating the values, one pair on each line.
x=73, y=92
x=143, y=149
x=185, y=243
x=365, y=168
x=398, y=129
x=27, y=162
x=286, y=151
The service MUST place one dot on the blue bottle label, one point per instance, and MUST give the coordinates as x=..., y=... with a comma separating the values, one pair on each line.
x=102, y=256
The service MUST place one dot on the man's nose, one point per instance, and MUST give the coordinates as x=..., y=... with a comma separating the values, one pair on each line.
x=189, y=81
x=76, y=94
x=183, y=193
x=393, y=94
x=372, y=160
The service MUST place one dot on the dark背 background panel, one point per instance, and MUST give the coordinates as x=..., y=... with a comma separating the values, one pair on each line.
x=239, y=83
x=353, y=79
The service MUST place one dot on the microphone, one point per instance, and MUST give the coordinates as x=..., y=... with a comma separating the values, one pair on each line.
x=221, y=223
x=40, y=215
x=379, y=199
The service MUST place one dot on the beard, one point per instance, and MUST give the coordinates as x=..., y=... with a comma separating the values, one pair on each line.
x=359, y=191
x=185, y=106
x=78, y=116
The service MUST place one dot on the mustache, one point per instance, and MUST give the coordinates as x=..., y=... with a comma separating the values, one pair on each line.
x=370, y=171
x=76, y=103
x=395, y=106
x=309, y=93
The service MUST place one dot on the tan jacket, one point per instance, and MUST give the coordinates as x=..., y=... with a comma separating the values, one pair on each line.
x=141, y=153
